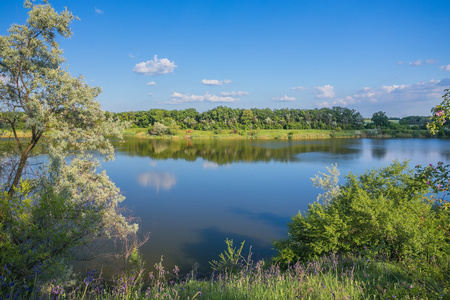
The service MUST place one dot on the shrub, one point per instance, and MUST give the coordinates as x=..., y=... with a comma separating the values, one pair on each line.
x=381, y=212
x=159, y=129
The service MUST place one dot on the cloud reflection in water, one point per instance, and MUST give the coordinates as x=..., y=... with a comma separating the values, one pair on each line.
x=157, y=180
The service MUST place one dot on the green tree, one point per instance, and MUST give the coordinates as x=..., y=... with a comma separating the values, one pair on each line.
x=384, y=212
x=68, y=204
x=380, y=119
x=440, y=113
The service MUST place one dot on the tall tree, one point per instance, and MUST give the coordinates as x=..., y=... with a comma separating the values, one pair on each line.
x=380, y=119
x=36, y=90
x=70, y=204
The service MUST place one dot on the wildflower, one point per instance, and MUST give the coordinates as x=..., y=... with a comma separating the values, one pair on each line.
x=428, y=182
x=439, y=113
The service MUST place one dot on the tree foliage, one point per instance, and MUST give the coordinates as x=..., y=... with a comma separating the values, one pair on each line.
x=383, y=212
x=47, y=214
x=380, y=119
x=235, y=118
x=440, y=113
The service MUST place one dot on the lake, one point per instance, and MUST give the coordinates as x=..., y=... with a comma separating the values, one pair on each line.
x=191, y=195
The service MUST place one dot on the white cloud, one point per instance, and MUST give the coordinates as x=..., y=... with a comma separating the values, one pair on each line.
x=285, y=98
x=98, y=11
x=151, y=83
x=417, y=92
x=324, y=104
x=396, y=99
x=215, y=81
x=178, y=98
x=211, y=82
x=400, y=62
x=149, y=94
x=300, y=88
x=157, y=180
x=181, y=98
x=214, y=98
x=445, y=68
x=419, y=62
x=415, y=63
x=131, y=55
x=234, y=94
x=155, y=66
x=347, y=100
x=327, y=91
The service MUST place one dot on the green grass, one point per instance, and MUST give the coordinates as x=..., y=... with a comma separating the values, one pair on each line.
x=245, y=134
x=330, y=277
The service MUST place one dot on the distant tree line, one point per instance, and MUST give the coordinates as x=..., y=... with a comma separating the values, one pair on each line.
x=336, y=118
x=237, y=118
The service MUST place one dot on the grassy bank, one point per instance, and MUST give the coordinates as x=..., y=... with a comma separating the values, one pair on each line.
x=265, y=134
x=330, y=277
x=242, y=134
x=281, y=134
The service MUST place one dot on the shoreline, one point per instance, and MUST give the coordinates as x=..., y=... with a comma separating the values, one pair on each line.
x=270, y=134
x=263, y=134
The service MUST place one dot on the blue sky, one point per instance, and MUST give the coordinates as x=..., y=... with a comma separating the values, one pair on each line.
x=369, y=56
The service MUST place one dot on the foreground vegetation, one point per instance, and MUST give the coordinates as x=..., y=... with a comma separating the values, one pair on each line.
x=328, y=277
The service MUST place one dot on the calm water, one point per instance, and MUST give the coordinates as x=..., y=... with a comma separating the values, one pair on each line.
x=192, y=195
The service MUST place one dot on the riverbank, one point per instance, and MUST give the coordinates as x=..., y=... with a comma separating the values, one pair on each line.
x=263, y=134
x=276, y=134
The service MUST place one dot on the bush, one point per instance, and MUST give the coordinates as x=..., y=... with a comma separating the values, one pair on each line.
x=159, y=129
x=382, y=212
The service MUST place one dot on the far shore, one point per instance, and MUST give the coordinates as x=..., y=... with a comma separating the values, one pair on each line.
x=270, y=134
x=262, y=134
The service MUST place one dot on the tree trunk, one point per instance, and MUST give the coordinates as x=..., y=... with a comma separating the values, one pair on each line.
x=19, y=171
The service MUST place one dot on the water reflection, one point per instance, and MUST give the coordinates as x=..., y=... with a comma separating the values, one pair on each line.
x=223, y=152
x=379, y=149
x=211, y=244
x=210, y=165
x=157, y=180
x=263, y=184
x=263, y=217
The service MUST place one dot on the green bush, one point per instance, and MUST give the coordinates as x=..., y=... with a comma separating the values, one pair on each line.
x=159, y=129
x=383, y=213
